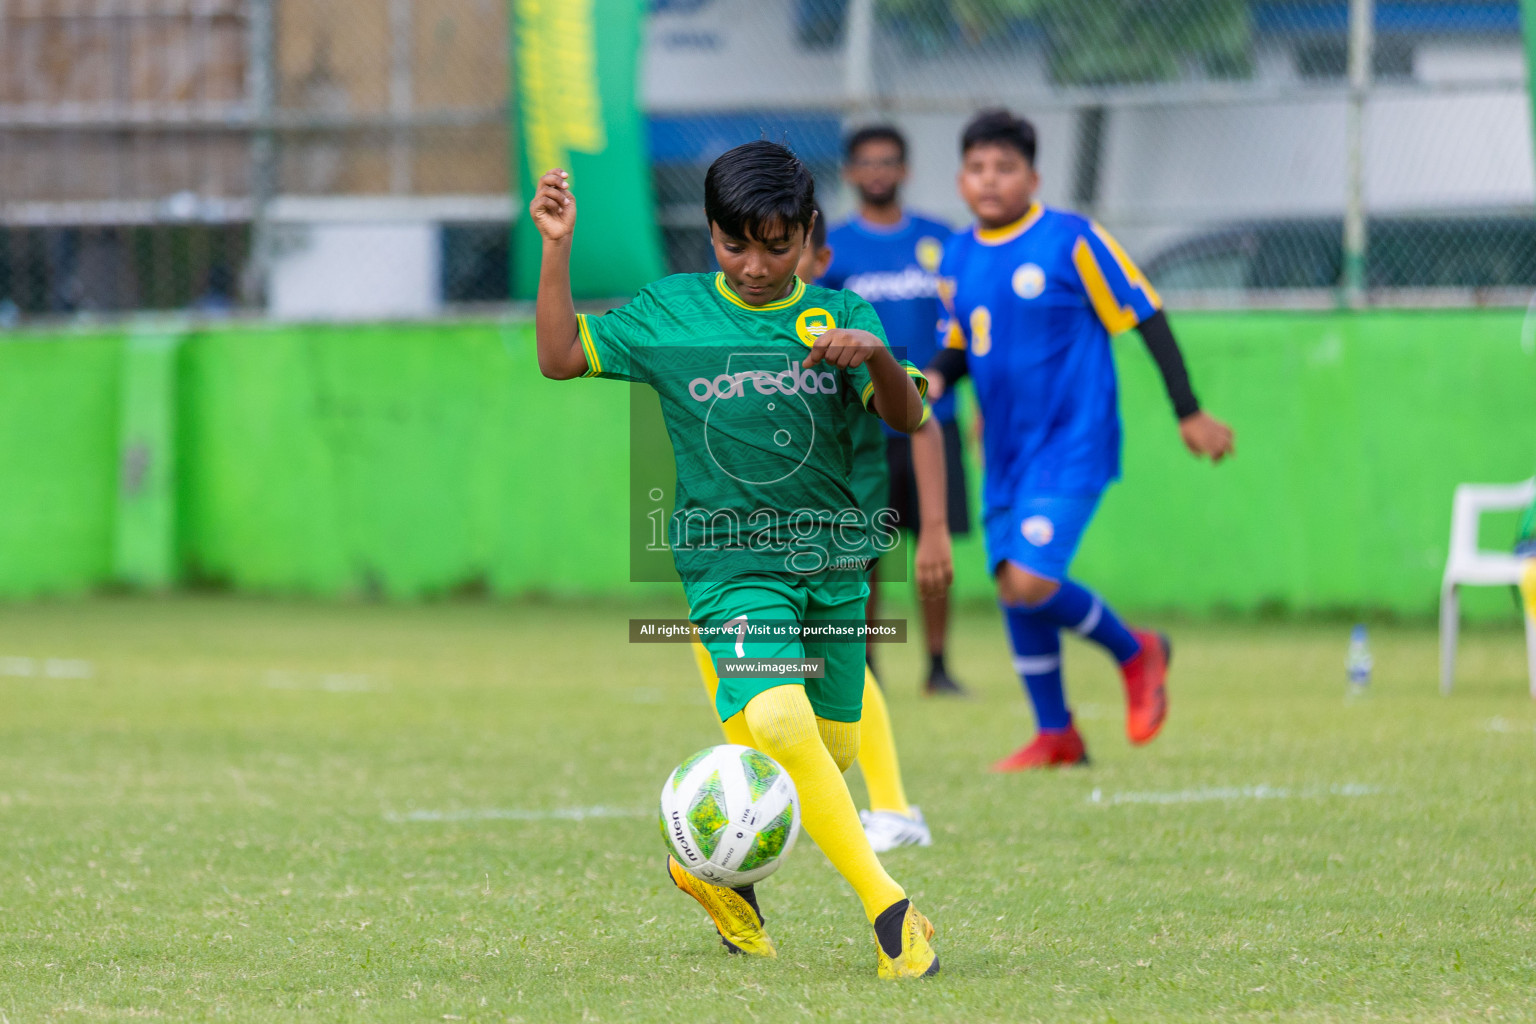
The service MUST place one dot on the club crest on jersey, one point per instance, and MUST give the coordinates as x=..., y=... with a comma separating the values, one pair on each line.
x=813, y=323
x=930, y=251
x=1028, y=281
x=1038, y=530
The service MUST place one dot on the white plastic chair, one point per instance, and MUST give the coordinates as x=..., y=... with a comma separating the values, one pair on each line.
x=1468, y=566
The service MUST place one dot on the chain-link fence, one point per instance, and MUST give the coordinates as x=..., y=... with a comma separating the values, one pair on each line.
x=350, y=157
x=300, y=156
x=1246, y=152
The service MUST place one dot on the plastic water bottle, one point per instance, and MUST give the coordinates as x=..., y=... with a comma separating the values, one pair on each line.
x=1358, y=662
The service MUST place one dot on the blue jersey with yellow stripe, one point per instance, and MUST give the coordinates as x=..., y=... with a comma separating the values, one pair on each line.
x=1034, y=305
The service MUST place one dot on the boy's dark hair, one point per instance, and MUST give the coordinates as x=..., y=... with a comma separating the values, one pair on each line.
x=819, y=230
x=999, y=127
x=875, y=133
x=760, y=186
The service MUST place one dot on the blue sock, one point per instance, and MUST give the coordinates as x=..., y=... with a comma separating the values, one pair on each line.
x=1037, y=658
x=1079, y=609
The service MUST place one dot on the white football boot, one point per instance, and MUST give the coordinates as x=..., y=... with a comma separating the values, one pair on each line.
x=887, y=830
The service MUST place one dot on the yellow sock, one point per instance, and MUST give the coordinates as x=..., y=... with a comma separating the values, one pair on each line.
x=841, y=740
x=877, y=753
x=735, y=728
x=785, y=727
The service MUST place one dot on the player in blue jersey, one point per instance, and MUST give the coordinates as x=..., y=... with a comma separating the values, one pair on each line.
x=1032, y=296
x=889, y=256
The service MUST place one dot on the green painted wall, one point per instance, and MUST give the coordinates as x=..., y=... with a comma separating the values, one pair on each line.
x=398, y=460
x=1352, y=433
x=406, y=460
x=144, y=551
x=58, y=462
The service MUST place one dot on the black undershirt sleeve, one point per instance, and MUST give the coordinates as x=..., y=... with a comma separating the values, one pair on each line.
x=950, y=362
x=1158, y=337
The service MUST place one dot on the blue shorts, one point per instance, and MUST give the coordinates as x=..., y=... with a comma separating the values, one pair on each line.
x=1039, y=533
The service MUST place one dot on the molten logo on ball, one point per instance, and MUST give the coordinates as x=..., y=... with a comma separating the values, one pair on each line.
x=730, y=815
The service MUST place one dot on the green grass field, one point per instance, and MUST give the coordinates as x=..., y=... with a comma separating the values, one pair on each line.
x=227, y=809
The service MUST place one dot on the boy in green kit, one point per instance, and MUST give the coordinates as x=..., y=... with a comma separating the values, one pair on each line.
x=754, y=370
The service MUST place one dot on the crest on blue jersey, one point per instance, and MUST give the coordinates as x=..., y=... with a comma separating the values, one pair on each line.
x=1038, y=530
x=930, y=251
x=1028, y=281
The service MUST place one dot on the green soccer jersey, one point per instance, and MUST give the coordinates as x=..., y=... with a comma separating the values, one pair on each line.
x=763, y=447
x=1525, y=539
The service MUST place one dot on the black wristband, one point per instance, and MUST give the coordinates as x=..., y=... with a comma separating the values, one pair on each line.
x=1159, y=340
x=950, y=363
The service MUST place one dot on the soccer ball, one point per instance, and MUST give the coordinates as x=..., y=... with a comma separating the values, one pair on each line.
x=729, y=814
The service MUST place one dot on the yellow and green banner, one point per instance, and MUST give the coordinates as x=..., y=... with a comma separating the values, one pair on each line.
x=1528, y=26
x=575, y=74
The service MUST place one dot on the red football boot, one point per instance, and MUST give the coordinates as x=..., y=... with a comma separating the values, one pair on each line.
x=1046, y=750
x=1146, y=686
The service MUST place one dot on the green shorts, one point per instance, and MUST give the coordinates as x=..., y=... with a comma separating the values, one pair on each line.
x=770, y=599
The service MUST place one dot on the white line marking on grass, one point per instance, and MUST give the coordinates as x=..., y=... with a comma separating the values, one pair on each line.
x=646, y=695
x=515, y=814
x=330, y=682
x=1501, y=724
x=342, y=682
x=696, y=697
x=51, y=668
x=1206, y=794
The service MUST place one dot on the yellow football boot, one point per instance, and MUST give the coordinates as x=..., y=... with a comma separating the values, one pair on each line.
x=916, y=958
x=738, y=921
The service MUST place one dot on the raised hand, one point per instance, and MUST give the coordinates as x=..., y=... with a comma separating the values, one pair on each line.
x=553, y=208
x=1206, y=435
